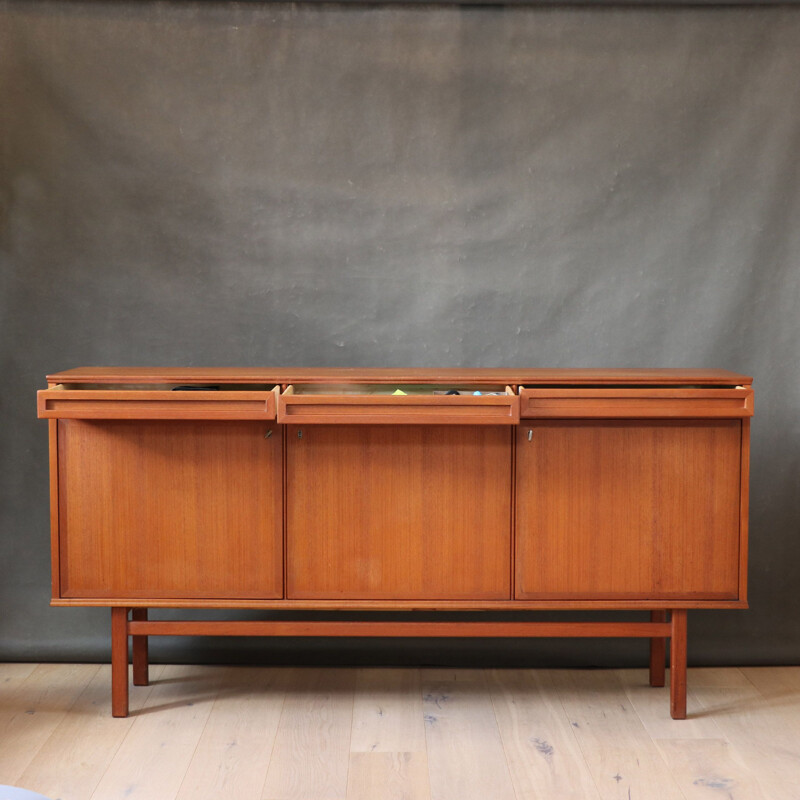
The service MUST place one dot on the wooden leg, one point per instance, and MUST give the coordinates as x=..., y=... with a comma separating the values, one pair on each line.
x=677, y=665
x=658, y=652
x=119, y=662
x=141, y=661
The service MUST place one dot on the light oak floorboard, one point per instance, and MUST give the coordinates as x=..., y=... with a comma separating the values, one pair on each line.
x=652, y=706
x=312, y=746
x=33, y=710
x=288, y=734
x=232, y=756
x=718, y=678
x=709, y=769
x=543, y=755
x=153, y=759
x=388, y=776
x=699, y=757
x=387, y=712
x=11, y=675
x=74, y=758
x=466, y=759
x=624, y=761
x=763, y=727
x=775, y=682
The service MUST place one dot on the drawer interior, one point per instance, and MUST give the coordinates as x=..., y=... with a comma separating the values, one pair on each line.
x=398, y=390
x=168, y=387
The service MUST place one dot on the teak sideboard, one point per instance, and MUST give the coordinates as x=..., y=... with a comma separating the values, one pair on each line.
x=410, y=490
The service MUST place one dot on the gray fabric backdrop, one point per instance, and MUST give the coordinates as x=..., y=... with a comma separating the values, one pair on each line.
x=252, y=184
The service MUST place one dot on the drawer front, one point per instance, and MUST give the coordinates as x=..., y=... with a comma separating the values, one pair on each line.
x=412, y=409
x=60, y=403
x=635, y=403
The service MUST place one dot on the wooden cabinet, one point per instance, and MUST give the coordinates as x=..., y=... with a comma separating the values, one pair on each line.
x=386, y=490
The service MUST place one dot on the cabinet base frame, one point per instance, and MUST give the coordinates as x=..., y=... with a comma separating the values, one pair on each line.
x=139, y=627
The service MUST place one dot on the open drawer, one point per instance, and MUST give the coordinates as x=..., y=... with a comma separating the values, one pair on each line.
x=419, y=405
x=635, y=402
x=60, y=402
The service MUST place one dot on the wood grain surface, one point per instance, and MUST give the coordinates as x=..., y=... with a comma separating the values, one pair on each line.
x=403, y=375
x=465, y=748
x=636, y=402
x=412, y=409
x=152, y=509
x=60, y=403
x=628, y=509
x=400, y=734
x=398, y=512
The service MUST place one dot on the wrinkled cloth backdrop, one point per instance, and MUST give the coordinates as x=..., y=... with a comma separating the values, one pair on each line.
x=210, y=183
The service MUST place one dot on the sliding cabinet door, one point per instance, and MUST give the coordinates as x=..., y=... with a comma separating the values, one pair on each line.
x=643, y=509
x=398, y=512
x=169, y=509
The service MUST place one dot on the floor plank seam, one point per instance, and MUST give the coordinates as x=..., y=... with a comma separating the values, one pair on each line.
x=572, y=727
x=197, y=743
x=421, y=688
x=502, y=738
x=281, y=683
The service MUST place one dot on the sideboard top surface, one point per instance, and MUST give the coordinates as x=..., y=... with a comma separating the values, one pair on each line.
x=525, y=376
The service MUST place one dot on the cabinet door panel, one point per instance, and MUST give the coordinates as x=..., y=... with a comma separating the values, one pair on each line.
x=168, y=509
x=628, y=510
x=398, y=512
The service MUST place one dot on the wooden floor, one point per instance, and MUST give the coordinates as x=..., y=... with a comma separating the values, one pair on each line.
x=236, y=733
